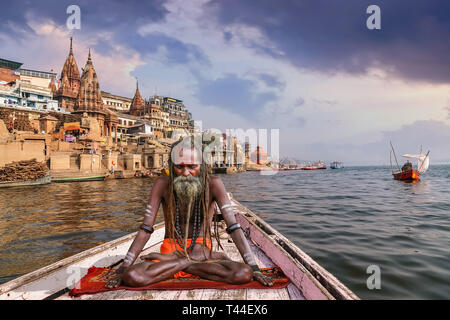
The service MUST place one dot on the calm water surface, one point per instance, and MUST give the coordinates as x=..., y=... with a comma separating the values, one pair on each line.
x=347, y=220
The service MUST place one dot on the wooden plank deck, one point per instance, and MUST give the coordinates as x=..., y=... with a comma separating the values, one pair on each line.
x=291, y=292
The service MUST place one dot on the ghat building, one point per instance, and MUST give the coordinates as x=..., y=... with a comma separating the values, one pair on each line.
x=70, y=83
x=89, y=101
x=165, y=114
x=81, y=95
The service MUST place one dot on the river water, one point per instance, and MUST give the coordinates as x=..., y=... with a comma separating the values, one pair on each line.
x=351, y=221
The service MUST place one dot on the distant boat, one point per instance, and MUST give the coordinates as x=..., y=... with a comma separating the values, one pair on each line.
x=337, y=165
x=318, y=165
x=288, y=167
x=22, y=183
x=407, y=172
x=81, y=179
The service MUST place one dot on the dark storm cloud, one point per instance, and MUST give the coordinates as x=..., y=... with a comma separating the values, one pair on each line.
x=113, y=15
x=332, y=36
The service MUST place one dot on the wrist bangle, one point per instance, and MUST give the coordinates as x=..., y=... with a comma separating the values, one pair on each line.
x=254, y=267
x=233, y=227
x=146, y=228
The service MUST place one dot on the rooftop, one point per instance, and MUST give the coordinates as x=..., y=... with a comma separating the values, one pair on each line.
x=14, y=65
x=36, y=73
x=110, y=95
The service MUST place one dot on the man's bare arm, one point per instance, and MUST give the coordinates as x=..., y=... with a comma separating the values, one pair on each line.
x=149, y=219
x=221, y=197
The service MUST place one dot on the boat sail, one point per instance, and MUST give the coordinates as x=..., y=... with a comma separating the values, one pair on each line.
x=423, y=161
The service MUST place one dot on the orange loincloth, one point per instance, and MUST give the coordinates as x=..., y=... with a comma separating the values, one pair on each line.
x=171, y=245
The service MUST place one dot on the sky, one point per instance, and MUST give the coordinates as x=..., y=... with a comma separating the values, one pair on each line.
x=335, y=89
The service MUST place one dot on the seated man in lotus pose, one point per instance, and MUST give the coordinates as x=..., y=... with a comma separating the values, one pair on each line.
x=188, y=196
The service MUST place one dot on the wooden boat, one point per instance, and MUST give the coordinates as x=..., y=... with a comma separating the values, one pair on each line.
x=288, y=168
x=319, y=165
x=407, y=173
x=309, y=280
x=22, y=183
x=81, y=179
x=336, y=165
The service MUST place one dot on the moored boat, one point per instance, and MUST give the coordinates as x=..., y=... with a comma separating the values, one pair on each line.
x=336, y=165
x=100, y=177
x=22, y=183
x=308, y=280
x=318, y=165
x=288, y=168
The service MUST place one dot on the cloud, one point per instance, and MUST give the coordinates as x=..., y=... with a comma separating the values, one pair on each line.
x=232, y=93
x=272, y=81
x=331, y=36
x=310, y=68
x=96, y=16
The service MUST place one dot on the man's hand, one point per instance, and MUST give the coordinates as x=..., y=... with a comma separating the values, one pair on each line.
x=114, y=279
x=261, y=278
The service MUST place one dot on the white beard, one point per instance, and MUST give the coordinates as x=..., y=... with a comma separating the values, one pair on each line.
x=187, y=189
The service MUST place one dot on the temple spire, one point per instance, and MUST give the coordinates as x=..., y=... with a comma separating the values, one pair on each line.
x=71, y=51
x=137, y=103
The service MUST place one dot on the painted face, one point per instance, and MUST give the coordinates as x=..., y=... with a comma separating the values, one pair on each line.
x=186, y=162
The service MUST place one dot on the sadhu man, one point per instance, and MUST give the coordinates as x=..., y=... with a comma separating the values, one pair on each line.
x=188, y=196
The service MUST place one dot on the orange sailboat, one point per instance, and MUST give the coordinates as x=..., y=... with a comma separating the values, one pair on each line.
x=407, y=172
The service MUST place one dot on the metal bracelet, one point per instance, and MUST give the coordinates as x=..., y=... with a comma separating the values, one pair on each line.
x=147, y=228
x=233, y=227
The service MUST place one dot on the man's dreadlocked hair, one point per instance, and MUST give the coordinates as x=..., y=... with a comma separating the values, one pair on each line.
x=189, y=143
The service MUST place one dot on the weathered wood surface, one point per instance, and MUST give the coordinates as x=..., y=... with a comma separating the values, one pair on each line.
x=200, y=294
x=49, y=280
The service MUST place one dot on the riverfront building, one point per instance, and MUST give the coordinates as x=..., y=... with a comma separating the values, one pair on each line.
x=115, y=102
x=69, y=83
x=26, y=89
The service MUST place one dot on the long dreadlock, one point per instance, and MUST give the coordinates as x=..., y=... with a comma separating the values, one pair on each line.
x=171, y=205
